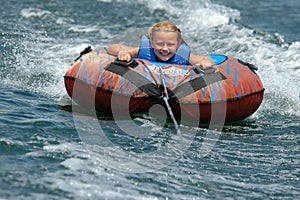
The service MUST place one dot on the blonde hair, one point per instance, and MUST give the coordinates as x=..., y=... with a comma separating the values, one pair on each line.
x=166, y=26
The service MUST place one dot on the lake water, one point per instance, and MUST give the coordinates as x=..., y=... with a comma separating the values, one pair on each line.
x=49, y=152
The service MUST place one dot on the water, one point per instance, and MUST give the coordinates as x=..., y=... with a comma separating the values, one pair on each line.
x=48, y=152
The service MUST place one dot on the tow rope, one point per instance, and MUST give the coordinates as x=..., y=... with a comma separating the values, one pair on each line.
x=166, y=99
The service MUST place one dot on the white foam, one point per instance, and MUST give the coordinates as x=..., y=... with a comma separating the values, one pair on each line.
x=207, y=28
x=165, y=5
x=34, y=12
x=10, y=142
x=206, y=18
x=84, y=29
x=105, y=1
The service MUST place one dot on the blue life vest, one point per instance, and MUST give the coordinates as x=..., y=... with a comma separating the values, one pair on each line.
x=181, y=57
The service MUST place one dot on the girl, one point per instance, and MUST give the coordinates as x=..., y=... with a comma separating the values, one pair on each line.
x=163, y=44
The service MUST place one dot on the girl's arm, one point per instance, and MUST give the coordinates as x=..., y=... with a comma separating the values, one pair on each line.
x=204, y=61
x=123, y=52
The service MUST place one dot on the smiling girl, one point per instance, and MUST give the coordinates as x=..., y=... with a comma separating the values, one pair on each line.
x=163, y=43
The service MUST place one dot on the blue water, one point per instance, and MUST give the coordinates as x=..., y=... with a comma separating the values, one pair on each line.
x=48, y=151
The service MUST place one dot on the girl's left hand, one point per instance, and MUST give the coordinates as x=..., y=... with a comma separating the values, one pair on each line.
x=206, y=62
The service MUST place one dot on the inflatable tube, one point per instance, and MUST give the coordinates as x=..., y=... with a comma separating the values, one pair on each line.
x=230, y=91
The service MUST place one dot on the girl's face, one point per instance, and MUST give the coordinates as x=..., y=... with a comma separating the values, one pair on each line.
x=165, y=45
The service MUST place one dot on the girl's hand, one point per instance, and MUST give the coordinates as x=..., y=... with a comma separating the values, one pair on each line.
x=124, y=55
x=206, y=63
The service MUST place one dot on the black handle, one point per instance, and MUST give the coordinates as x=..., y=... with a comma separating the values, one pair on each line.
x=85, y=51
x=131, y=63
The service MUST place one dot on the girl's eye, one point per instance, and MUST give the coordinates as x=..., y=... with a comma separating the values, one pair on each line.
x=161, y=44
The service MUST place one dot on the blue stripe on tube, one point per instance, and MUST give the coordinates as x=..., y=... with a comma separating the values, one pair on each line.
x=85, y=75
x=236, y=77
x=228, y=69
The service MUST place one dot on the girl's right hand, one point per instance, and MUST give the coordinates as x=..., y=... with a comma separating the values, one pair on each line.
x=124, y=55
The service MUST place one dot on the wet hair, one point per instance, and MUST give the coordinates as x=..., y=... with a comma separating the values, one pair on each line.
x=166, y=26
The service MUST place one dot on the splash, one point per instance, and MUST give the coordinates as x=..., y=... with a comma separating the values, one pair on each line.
x=36, y=59
x=34, y=12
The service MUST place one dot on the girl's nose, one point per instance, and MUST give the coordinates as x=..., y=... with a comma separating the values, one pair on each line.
x=165, y=47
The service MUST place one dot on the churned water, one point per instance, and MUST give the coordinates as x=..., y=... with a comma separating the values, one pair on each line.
x=50, y=152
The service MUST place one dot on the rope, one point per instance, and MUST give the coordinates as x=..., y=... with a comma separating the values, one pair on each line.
x=166, y=100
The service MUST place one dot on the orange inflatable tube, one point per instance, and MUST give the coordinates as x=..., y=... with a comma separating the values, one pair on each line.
x=230, y=91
